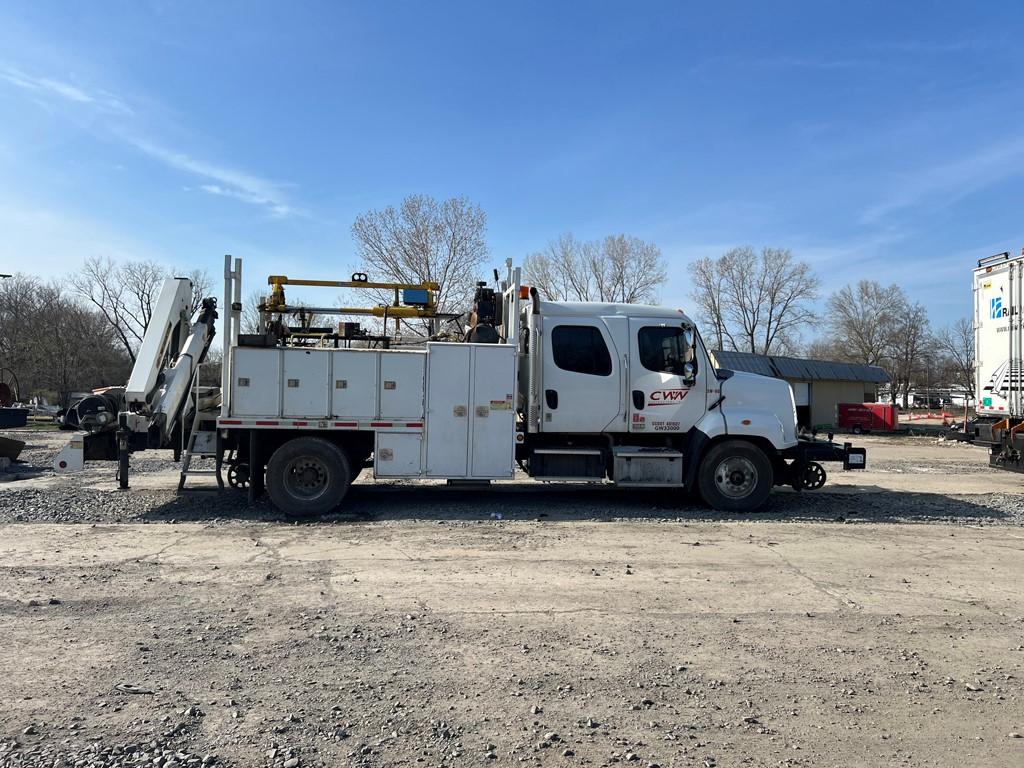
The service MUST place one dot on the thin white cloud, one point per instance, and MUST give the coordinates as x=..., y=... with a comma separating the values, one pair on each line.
x=222, y=181
x=717, y=63
x=102, y=100
x=917, y=47
x=277, y=209
x=946, y=183
x=798, y=62
x=227, y=182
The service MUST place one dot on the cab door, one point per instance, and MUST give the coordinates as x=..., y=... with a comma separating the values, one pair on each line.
x=581, y=383
x=662, y=396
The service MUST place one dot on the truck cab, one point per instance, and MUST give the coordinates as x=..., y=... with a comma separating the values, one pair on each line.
x=629, y=394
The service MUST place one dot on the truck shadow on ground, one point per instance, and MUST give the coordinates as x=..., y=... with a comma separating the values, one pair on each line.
x=554, y=503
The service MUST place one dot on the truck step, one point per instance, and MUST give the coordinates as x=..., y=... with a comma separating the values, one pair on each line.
x=568, y=464
x=638, y=465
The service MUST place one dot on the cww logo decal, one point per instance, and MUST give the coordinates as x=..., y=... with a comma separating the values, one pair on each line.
x=667, y=396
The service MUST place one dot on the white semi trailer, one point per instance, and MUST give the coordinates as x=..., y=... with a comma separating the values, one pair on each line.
x=621, y=394
x=999, y=352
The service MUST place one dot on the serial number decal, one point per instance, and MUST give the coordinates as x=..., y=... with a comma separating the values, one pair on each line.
x=666, y=426
x=667, y=396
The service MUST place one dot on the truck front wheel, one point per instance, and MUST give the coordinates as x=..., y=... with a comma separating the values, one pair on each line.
x=735, y=476
x=308, y=476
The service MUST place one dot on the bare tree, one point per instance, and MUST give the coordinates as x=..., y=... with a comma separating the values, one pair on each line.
x=823, y=349
x=709, y=278
x=126, y=294
x=19, y=328
x=878, y=325
x=615, y=269
x=141, y=281
x=863, y=320
x=100, y=283
x=425, y=240
x=81, y=353
x=756, y=302
x=56, y=342
x=202, y=287
x=561, y=272
x=210, y=373
x=956, y=343
x=911, y=347
x=251, y=311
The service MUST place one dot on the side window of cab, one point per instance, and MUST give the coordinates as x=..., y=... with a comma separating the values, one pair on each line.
x=663, y=349
x=580, y=349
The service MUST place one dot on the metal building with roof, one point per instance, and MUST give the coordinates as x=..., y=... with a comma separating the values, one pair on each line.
x=818, y=385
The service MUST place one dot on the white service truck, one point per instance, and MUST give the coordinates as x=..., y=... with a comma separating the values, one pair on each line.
x=621, y=394
x=999, y=352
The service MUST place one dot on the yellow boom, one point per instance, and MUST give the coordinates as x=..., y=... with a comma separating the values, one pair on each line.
x=276, y=301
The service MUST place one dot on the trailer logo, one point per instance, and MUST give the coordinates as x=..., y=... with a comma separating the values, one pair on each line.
x=667, y=396
x=996, y=308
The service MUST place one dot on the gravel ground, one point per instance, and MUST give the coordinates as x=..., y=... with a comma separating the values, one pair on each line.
x=68, y=505
x=67, y=499
x=876, y=622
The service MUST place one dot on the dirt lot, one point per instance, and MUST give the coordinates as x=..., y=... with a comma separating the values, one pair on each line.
x=877, y=622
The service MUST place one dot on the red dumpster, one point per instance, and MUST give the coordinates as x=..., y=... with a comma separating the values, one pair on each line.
x=865, y=417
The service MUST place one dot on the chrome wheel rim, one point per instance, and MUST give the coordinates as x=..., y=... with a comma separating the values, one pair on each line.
x=736, y=477
x=306, y=477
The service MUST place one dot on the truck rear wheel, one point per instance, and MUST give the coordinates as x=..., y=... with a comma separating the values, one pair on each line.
x=308, y=476
x=735, y=476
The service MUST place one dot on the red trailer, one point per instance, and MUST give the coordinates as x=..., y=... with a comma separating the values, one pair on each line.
x=865, y=417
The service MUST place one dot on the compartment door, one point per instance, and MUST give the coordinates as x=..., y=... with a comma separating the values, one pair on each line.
x=493, y=423
x=448, y=409
x=256, y=382
x=401, y=385
x=397, y=454
x=306, y=375
x=354, y=384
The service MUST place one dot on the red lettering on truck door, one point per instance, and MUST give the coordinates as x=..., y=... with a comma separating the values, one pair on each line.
x=667, y=396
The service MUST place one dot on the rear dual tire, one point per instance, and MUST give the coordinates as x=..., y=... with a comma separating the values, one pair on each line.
x=308, y=476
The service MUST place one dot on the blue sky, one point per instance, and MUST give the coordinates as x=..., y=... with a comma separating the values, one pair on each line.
x=877, y=140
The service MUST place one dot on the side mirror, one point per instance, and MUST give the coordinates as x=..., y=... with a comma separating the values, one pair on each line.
x=689, y=371
x=688, y=340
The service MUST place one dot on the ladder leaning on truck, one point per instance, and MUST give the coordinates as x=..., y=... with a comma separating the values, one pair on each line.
x=569, y=392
